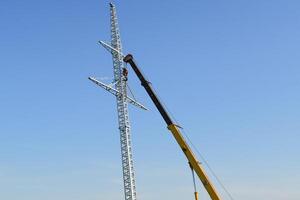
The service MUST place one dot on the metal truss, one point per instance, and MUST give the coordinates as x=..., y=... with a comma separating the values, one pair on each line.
x=119, y=89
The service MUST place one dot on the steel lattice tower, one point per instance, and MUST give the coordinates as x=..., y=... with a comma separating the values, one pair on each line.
x=119, y=89
x=124, y=124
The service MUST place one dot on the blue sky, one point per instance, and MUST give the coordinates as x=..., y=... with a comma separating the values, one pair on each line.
x=228, y=71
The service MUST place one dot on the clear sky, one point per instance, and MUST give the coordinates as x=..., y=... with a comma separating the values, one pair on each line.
x=228, y=71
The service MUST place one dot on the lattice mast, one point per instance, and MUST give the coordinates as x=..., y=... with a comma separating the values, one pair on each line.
x=124, y=124
x=119, y=89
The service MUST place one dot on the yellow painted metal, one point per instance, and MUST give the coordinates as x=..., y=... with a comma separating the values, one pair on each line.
x=195, y=164
x=196, y=195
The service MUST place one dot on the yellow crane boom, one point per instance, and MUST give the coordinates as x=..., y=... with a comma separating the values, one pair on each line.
x=194, y=163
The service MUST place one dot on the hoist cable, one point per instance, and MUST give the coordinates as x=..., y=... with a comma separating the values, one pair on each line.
x=208, y=166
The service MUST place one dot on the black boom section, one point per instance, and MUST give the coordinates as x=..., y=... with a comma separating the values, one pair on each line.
x=148, y=88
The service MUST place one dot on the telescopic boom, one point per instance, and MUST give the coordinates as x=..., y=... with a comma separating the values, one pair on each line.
x=194, y=163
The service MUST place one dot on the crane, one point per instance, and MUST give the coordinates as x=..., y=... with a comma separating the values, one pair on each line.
x=175, y=130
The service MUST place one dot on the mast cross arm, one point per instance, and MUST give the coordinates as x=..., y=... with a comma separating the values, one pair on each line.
x=110, y=49
x=116, y=93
